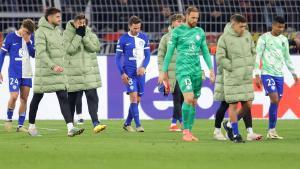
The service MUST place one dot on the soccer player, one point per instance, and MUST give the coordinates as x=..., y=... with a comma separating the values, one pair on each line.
x=175, y=21
x=83, y=73
x=188, y=40
x=273, y=51
x=219, y=115
x=20, y=47
x=49, y=70
x=236, y=55
x=134, y=47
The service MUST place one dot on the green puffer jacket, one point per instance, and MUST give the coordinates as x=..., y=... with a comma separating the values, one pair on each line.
x=235, y=57
x=162, y=50
x=49, y=52
x=81, y=61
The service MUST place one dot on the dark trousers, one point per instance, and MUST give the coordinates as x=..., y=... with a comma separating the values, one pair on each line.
x=247, y=117
x=92, y=101
x=62, y=97
x=177, y=101
x=79, y=102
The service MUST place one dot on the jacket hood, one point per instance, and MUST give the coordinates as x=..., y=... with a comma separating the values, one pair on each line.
x=44, y=23
x=229, y=30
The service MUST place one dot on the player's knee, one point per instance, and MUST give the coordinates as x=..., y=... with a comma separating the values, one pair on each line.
x=14, y=97
x=189, y=100
x=275, y=100
x=23, y=100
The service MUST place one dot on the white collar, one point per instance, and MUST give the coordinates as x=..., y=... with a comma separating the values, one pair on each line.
x=132, y=35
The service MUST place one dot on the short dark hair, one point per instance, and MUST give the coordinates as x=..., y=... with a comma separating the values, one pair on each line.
x=51, y=11
x=176, y=17
x=79, y=16
x=191, y=9
x=238, y=18
x=279, y=19
x=134, y=20
x=28, y=24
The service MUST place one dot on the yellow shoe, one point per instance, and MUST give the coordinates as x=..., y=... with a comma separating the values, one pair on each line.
x=272, y=134
x=99, y=128
x=8, y=125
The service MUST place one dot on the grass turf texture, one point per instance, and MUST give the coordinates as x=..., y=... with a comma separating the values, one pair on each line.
x=157, y=148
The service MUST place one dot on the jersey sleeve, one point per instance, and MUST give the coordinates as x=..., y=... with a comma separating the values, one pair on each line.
x=172, y=44
x=205, y=51
x=4, y=49
x=119, y=53
x=146, y=52
x=260, y=48
x=287, y=57
x=30, y=46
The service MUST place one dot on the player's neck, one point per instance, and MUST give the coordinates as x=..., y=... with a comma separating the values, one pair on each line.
x=131, y=34
x=274, y=34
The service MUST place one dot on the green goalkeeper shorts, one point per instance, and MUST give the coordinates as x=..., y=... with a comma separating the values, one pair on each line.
x=190, y=83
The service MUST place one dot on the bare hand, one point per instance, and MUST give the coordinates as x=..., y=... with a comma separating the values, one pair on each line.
x=258, y=81
x=212, y=77
x=141, y=71
x=1, y=78
x=26, y=38
x=58, y=69
x=125, y=78
x=295, y=78
x=160, y=78
x=165, y=77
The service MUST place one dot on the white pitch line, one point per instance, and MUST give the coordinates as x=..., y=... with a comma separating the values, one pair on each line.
x=48, y=129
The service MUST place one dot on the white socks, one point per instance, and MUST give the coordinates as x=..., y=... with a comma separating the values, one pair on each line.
x=31, y=126
x=250, y=130
x=70, y=126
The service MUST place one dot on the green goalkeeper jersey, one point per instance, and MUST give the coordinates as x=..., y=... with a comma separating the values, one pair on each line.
x=273, y=51
x=188, y=43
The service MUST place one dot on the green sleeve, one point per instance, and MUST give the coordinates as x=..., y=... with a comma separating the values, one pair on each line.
x=91, y=42
x=205, y=52
x=71, y=42
x=287, y=57
x=260, y=48
x=172, y=44
x=162, y=50
x=221, y=55
x=41, y=49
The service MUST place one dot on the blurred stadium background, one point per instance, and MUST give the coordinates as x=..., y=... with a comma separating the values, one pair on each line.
x=108, y=18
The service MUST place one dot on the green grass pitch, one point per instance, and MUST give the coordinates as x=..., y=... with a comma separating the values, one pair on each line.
x=157, y=148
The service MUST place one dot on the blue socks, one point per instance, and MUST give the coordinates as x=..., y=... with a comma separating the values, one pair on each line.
x=129, y=117
x=135, y=114
x=10, y=113
x=273, y=115
x=21, y=120
x=235, y=128
x=174, y=121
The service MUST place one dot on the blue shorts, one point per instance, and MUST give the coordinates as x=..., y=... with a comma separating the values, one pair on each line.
x=16, y=83
x=136, y=84
x=273, y=84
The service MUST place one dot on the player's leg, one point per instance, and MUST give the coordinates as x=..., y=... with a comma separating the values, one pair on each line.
x=140, y=81
x=218, y=120
x=62, y=97
x=233, y=112
x=247, y=118
x=14, y=87
x=271, y=87
x=93, y=101
x=24, y=93
x=177, y=104
x=131, y=88
x=34, y=104
x=72, y=97
x=79, y=107
x=185, y=84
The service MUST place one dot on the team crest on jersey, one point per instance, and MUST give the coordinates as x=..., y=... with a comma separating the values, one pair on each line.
x=192, y=46
x=197, y=37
